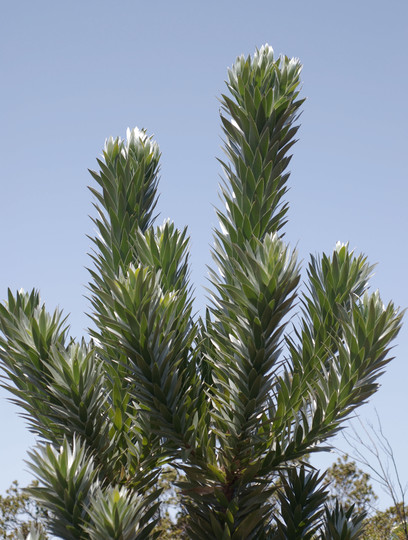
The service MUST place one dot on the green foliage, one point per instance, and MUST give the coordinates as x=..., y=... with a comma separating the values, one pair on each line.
x=117, y=514
x=386, y=524
x=173, y=519
x=301, y=505
x=349, y=485
x=67, y=476
x=343, y=524
x=20, y=515
x=217, y=398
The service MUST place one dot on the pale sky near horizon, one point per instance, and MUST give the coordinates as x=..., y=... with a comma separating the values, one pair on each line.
x=74, y=73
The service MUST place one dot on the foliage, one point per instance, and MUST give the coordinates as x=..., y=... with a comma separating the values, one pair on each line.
x=235, y=400
x=385, y=524
x=301, y=505
x=173, y=520
x=349, y=485
x=343, y=524
x=20, y=514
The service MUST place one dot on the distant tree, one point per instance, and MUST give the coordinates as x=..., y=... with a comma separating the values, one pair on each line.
x=173, y=520
x=20, y=514
x=349, y=485
x=235, y=400
x=384, y=525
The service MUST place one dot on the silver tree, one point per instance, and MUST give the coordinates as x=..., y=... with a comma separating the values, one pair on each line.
x=216, y=397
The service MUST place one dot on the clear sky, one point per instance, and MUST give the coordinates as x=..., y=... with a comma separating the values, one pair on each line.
x=73, y=73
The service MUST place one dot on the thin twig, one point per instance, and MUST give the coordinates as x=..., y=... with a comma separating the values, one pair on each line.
x=379, y=447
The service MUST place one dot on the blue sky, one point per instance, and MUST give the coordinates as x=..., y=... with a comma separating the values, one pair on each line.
x=74, y=73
